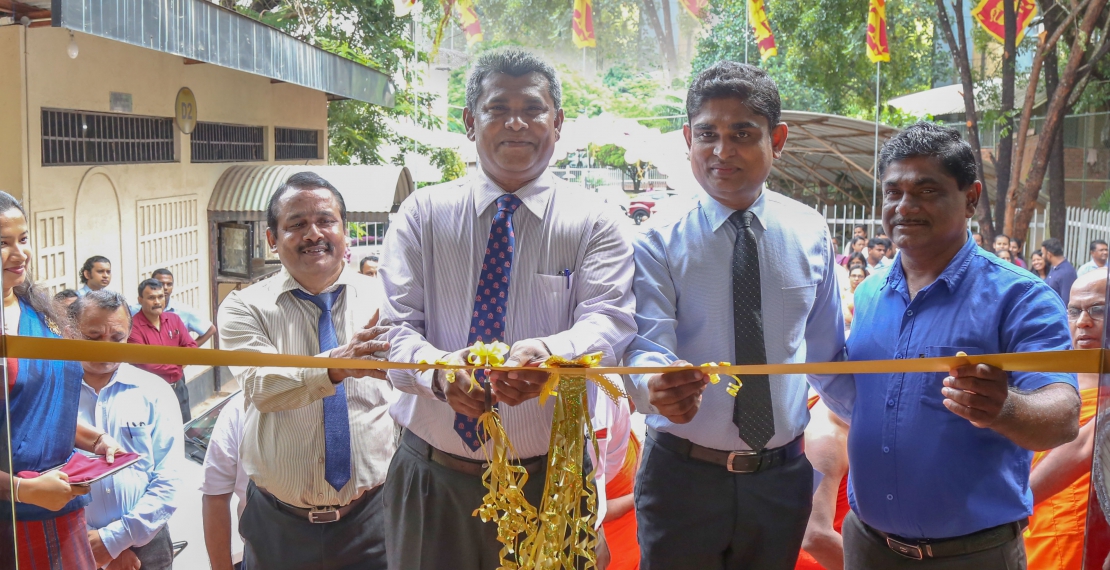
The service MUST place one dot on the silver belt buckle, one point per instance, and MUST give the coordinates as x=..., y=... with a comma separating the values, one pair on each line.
x=323, y=515
x=907, y=550
x=733, y=455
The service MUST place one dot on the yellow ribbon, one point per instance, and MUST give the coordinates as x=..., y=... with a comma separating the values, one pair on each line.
x=1073, y=361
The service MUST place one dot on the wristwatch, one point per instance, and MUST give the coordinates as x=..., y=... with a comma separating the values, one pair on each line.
x=437, y=386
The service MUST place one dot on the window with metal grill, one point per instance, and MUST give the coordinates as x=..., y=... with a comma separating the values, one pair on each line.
x=78, y=137
x=296, y=144
x=216, y=142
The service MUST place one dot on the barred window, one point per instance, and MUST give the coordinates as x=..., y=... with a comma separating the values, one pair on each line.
x=296, y=144
x=216, y=142
x=79, y=137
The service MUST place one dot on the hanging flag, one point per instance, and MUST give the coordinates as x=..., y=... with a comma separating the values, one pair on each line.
x=438, y=37
x=877, y=47
x=583, y=24
x=401, y=8
x=470, y=24
x=757, y=15
x=695, y=8
x=989, y=14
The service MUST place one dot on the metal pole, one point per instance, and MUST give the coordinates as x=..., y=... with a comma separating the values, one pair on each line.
x=747, y=8
x=875, y=167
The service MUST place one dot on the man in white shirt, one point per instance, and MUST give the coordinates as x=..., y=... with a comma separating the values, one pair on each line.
x=317, y=442
x=876, y=254
x=224, y=476
x=509, y=254
x=1099, y=253
x=129, y=510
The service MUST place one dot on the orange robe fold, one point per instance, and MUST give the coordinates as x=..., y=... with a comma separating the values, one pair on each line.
x=1054, y=539
x=620, y=534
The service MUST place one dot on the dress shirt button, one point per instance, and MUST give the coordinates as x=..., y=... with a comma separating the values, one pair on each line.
x=321, y=460
x=909, y=313
x=886, y=449
x=890, y=497
x=897, y=356
x=319, y=495
x=890, y=402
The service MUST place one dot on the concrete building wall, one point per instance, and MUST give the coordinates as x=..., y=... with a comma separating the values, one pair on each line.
x=142, y=216
x=13, y=157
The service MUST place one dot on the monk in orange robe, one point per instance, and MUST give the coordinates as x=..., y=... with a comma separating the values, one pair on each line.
x=1061, y=477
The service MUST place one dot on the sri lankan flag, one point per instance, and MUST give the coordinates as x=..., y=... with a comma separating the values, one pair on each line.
x=470, y=24
x=757, y=15
x=583, y=24
x=877, y=47
x=695, y=8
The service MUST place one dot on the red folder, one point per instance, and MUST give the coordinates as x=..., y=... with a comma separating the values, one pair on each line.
x=83, y=469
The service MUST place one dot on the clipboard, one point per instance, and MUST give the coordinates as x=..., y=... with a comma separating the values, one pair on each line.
x=117, y=466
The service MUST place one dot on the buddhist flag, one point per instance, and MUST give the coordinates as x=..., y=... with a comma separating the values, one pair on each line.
x=401, y=8
x=695, y=8
x=757, y=14
x=877, y=47
x=583, y=24
x=989, y=14
x=470, y=24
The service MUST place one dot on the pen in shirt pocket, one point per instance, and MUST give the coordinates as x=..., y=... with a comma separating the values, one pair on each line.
x=566, y=273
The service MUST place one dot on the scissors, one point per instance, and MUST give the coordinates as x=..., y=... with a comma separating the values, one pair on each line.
x=486, y=386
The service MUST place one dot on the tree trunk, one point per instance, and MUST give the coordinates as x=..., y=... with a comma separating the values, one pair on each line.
x=1057, y=208
x=959, y=50
x=1024, y=196
x=666, y=39
x=1005, y=145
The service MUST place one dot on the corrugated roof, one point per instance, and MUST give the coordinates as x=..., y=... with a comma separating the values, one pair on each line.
x=371, y=193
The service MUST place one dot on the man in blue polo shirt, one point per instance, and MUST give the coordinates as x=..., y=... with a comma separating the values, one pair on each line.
x=939, y=462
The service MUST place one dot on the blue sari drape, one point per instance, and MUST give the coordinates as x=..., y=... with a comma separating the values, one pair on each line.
x=43, y=408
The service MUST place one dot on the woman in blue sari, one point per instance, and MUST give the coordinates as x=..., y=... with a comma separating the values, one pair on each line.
x=41, y=398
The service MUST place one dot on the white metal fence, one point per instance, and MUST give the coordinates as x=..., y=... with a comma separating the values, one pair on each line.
x=594, y=177
x=1083, y=226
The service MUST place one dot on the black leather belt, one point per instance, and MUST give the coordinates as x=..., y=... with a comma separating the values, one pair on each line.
x=735, y=461
x=324, y=514
x=919, y=549
x=461, y=464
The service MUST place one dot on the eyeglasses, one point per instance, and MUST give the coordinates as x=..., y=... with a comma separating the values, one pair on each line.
x=1096, y=312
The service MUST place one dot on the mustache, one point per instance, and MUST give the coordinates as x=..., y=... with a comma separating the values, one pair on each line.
x=322, y=242
x=908, y=221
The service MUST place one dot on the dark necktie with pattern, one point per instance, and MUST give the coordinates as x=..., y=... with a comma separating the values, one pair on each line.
x=337, y=425
x=487, y=322
x=751, y=411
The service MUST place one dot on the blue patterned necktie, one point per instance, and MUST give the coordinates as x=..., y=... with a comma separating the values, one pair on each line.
x=487, y=322
x=337, y=427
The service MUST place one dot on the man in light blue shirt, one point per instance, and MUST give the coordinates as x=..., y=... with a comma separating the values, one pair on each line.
x=745, y=276
x=129, y=510
x=198, y=325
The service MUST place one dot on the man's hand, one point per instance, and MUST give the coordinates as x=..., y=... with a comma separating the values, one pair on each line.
x=977, y=393
x=519, y=386
x=462, y=396
x=362, y=346
x=50, y=491
x=127, y=561
x=100, y=552
x=602, y=550
x=108, y=447
x=677, y=395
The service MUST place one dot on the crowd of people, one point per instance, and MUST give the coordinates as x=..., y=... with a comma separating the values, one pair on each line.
x=362, y=468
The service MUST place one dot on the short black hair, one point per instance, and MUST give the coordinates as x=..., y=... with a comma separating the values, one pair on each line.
x=1097, y=242
x=886, y=243
x=856, y=257
x=88, y=266
x=151, y=283
x=65, y=294
x=977, y=234
x=103, y=299
x=857, y=239
x=936, y=141
x=1017, y=241
x=1053, y=246
x=996, y=236
x=729, y=79
x=860, y=227
x=373, y=258
x=514, y=62
x=297, y=182
x=161, y=271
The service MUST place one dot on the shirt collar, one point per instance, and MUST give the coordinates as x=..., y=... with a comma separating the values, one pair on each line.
x=125, y=374
x=142, y=321
x=717, y=213
x=288, y=283
x=952, y=275
x=535, y=195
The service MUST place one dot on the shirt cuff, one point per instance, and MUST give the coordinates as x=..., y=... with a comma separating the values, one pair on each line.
x=115, y=540
x=317, y=380
x=559, y=345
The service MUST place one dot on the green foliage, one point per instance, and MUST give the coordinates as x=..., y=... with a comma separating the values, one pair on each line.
x=456, y=100
x=822, y=64
x=612, y=156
